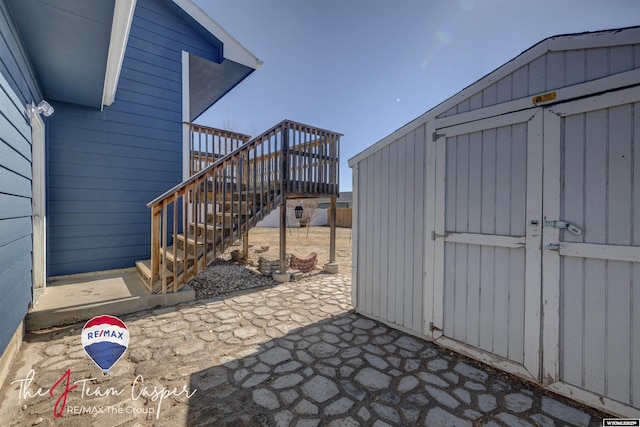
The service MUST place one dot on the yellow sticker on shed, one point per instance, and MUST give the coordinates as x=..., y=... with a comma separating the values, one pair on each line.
x=545, y=97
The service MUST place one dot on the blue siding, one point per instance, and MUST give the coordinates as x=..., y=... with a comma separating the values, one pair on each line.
x=17, y=87
x=104, y=166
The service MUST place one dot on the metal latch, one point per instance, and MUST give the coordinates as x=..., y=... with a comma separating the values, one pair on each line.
x=563, y=225
x=553, y=246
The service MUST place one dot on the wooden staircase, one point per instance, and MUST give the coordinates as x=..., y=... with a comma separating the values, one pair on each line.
x=230, y=191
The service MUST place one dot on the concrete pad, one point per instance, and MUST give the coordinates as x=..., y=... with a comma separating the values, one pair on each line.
x=76, y=298
x=332, y=267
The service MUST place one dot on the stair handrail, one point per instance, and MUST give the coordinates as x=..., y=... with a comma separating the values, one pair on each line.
x=308, y=164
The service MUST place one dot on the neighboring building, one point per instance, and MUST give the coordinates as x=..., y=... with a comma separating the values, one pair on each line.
x=123, y=76
x=504, y=223
x=320, y=214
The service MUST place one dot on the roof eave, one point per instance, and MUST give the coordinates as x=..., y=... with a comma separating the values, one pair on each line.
x=233, y=50
x=122, y=18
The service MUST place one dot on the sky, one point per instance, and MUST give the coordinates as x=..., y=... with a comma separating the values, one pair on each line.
x=365, y=68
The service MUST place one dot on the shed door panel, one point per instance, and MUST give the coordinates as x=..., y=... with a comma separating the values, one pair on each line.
x=599, y=270
x=487, y=206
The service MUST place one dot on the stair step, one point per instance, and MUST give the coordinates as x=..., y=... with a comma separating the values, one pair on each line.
x=144, y=268
x=180, y=255
x=236, y=205
x=220, y=215
x=191, y=239
x=218, y=227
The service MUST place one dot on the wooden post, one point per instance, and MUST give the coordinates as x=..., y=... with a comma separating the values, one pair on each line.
x=283, y=235
x=283, y=194
x=156, y=230
x=332, y=232
x=245, y=245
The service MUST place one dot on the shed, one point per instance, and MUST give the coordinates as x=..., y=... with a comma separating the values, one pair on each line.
x=504, y=223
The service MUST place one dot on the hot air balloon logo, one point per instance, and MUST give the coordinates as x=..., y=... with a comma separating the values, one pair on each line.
x=105, y=339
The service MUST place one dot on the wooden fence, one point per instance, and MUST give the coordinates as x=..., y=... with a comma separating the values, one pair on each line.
x=343, y=217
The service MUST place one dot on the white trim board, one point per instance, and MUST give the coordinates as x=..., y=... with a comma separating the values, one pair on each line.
x=233, y=50
x=120, y=28
x=186, y=113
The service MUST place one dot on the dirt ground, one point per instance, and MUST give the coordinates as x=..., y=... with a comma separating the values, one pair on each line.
x=300, y=242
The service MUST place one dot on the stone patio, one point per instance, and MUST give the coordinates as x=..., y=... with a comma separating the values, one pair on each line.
x=289, y=355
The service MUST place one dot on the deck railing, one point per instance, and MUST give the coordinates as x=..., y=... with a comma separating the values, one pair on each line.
x=207, y=145
x=198, y=219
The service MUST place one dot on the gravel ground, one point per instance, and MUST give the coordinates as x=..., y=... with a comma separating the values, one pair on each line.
x=224, y=275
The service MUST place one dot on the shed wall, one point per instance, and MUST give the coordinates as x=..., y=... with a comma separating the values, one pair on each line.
x=391, y=232
x=17, y=87
x=104, y=166
x=553, y=70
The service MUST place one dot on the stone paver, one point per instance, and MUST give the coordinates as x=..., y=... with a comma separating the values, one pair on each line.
x=289, y=355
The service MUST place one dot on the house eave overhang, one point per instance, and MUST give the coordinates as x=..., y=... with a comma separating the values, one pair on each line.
x=69, y=43
x=210, y=80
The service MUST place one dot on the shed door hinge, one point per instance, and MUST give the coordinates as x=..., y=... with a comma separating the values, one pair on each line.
x=435, y=235
x=433, y=327
x=437, y=135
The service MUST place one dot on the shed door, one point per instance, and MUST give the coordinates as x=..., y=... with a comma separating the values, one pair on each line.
x=488, y=192
x=591, y=280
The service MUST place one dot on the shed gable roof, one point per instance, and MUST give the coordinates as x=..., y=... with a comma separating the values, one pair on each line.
x=556, y=62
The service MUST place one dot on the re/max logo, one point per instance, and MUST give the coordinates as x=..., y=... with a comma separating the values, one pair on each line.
x=104, y=333
x=620, y=422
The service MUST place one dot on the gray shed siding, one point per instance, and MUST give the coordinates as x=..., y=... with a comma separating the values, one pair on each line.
x=391, y=231
x=104, y=166
x=600, y=297
x=501, y=284
x=17, y=87
x=553, y=70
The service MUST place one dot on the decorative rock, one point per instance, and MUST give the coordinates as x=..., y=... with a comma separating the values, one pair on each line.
x=376, y=362
x=433, y=379
x=287, y=381
x=543, y=421
x=266, y=398
x=344, y=422
x=407, y=384
x=487, y=402
x=409, y=343
x=442, y=397
x=365, y=324
x=517, y=402
x=437, y=365
x=372, y=379
x=283, y=418
x=255, y=380
x=513, y=421
x=471, y=372
x=474, y=386
x=386, y=412
x=438, y=417
x=338, y=407
x=565, y=413
x=275, y=355
x=463, y=395
x=319, y=389
x=306, y=408
x=364, y=414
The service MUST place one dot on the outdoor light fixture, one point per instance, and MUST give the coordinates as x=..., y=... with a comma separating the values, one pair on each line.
x=43, y=108
x=299, y=212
